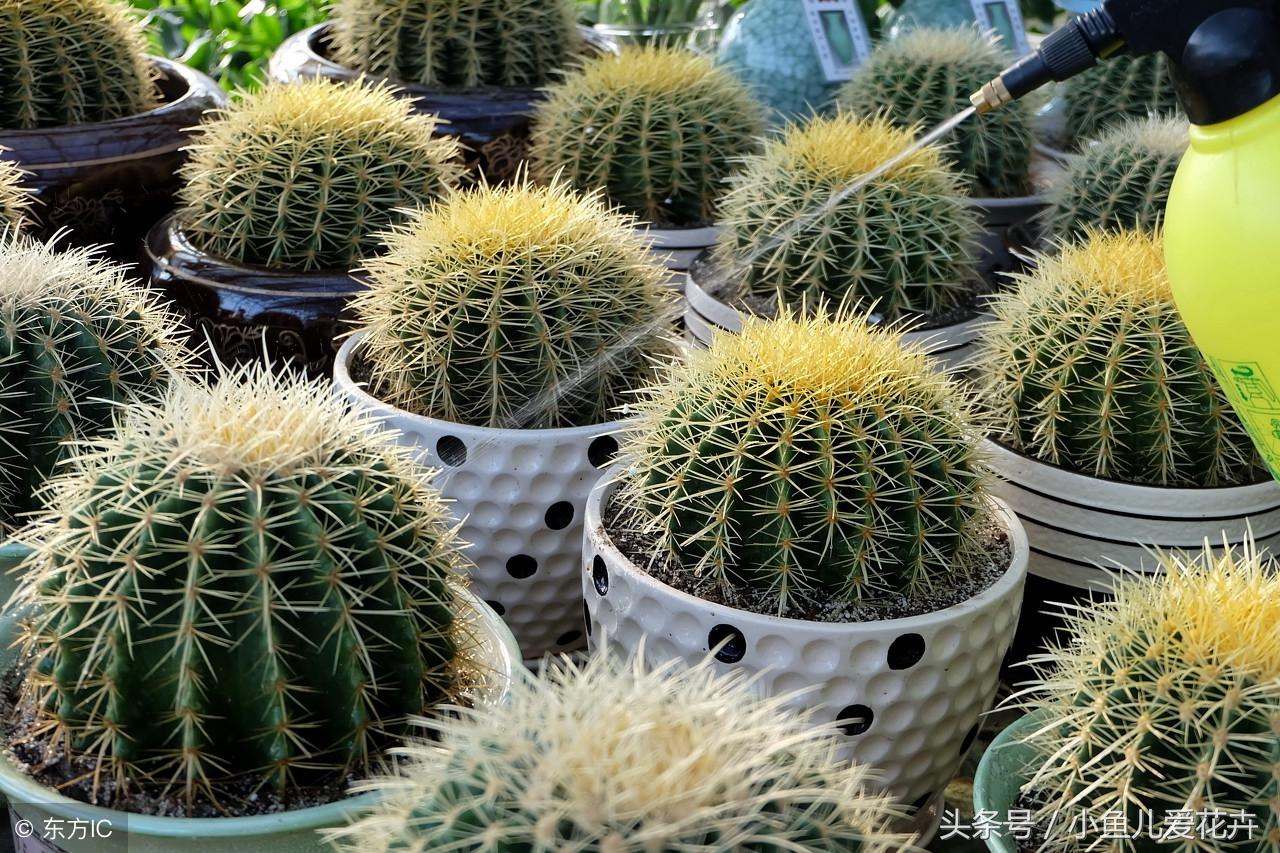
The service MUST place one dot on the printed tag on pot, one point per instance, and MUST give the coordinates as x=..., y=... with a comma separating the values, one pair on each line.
x=839, y=35
x=1004, y=18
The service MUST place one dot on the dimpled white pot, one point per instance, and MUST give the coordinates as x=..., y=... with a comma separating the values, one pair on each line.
x=909, y=692
x=952, y=347
x=520, y=496
x=1079, y=526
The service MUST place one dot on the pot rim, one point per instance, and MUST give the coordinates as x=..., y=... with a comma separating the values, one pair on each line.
x=1008, y=582
x=169, y=230
x=690, y=237
x=969, y=326
x=344, y=383
x=1125, y=492
x=983, y=778
x=306, y=40
x=192, y=80
x=22, y=788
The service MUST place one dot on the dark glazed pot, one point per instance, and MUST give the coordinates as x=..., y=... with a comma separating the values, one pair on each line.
x=1009, y=233
x=493, y=122
x=108, y=182
x=246, y=312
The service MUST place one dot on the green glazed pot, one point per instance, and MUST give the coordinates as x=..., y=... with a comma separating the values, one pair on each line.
x=71, y=826
x=1001, y=774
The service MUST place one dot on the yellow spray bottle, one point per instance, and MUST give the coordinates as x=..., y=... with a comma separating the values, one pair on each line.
x=1222, y=225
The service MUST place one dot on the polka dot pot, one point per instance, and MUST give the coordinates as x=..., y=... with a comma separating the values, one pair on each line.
x=908, y=693
x=520, y=496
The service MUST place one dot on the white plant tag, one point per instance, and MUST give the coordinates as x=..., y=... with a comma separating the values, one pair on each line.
x=839, y=35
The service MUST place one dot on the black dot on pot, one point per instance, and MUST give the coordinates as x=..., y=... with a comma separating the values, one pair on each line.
x=559, y=515
x=496, y=607
x=521, y=566
x=451, y=450
x=601, y=451
x=855, y=719
x=734, y=646
x=568, y=638
x=906, y=651
x=969, y=738
x=920, y=802
x=600, y=575
x=586, y=617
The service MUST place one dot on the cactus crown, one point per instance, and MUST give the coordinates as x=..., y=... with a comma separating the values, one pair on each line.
x=1166, y=700
x=67, y=62
x=1089, y=366
x=303, y=176
x=246, y=580
x=514, y=307
x=461, y=44
x=806, y=461
x=924, y=78
x=794, y=231
x=1120, y=180
x=15, y=200
x=610, y=757
x=76, y=337
x=659, y=129
x=1123, y=87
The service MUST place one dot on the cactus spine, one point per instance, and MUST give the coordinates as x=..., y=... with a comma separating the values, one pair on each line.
x=67, y=62
x=1088, y=365
x=1120, y=180
x=1121, y=88
x=609, y=757
x=15, y=200
x=659, y=129
x=1166, y=702
x=246, y=581
x=304, y=176
x=924, y=78
x=808, y=461
x=76, y=337
x=905, y=240
x=459, y=44
x=514, y=307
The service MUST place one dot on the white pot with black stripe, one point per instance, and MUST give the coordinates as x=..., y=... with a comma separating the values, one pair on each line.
x=676, y=248
x=952, y=347
x=1079, y=526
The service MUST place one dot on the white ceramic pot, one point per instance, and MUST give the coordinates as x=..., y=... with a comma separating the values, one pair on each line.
x=951, y=347
x=520, y=496
x=1079, y=526
x=676, y=248
x=45, y=821
x=909, y=692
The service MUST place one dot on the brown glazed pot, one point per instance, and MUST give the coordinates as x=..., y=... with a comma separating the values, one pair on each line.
x=108, y=182
x=245, y=312
x=493, y=121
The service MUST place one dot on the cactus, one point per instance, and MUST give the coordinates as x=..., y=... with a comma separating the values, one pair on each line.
x=1087, y=365
x=75, y=338
x=809, y=460
x=246, y=582
x=514, y=307
x=1166, y=701
x=66, y=62
x=1120, y=88
x=1121, y=180
x=460, y=44
x=609, y=757
x=659, y=129
x=792, y=227
x=924, y=78
x=15, y=200
x=304, y=176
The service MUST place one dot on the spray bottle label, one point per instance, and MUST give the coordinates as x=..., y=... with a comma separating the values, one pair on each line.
x=1257, y=402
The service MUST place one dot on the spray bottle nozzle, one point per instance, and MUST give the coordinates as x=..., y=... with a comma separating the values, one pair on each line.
x=1064, y=53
